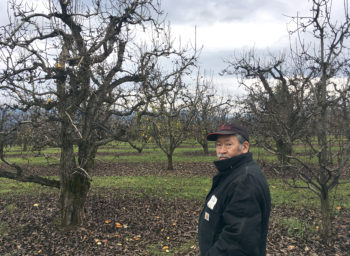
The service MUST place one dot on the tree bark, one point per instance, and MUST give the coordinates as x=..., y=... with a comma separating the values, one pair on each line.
x=205, y=147
x=72, y=197
x=325, y=216
x=284, y=150
x=170, y=162
x=75, y=183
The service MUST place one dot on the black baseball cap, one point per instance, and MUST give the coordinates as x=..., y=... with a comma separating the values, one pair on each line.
x=229, y=129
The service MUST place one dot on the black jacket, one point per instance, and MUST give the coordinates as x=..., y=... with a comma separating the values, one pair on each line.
x=236, y=213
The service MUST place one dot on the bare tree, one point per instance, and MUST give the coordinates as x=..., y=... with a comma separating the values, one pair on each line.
x=138, y=135
x=327, y=61
x=212, y=110
x=275, y=99
x=86, y=61
x=9, y=125
x=173, y=115
x=320, y=71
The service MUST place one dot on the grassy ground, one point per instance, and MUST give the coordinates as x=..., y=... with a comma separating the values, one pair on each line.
x=170, y=188
x=186, y=188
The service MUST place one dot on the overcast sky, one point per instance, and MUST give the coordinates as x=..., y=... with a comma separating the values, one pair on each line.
x=225, y=26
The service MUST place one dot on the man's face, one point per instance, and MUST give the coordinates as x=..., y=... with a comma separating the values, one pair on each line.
x=228, y=146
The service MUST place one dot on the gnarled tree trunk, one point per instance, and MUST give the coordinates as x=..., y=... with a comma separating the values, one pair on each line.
x=75, y=182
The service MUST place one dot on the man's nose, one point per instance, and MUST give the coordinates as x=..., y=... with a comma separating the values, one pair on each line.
x=222, y=149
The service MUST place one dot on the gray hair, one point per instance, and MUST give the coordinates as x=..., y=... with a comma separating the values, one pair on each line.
x=241, y=140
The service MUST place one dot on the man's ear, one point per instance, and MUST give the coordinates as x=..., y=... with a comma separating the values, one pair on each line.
x=245, y=147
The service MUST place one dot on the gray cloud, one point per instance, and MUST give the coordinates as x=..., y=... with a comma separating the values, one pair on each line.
x=209, y=11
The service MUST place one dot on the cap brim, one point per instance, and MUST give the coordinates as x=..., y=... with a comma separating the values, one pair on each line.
x=213, y=136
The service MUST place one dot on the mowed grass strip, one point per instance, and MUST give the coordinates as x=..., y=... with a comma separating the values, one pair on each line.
x=123, y=152
x=186, y=188
x=169, y=187
x=10, y=187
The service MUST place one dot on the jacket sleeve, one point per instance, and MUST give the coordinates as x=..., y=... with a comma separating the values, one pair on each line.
x=242, y=218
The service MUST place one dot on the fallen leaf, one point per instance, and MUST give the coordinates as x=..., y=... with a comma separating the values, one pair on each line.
x=35, y=205
x=98, y=242
x=291, y=247
x=338, y=208
x=107, y=221
x=165, y=248
x=118, y=225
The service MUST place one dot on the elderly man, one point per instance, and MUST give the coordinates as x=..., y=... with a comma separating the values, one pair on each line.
x=236, y=213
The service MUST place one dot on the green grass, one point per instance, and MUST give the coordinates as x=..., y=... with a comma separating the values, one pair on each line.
x=171, y=187
x=187, y=152
x=283, y=194
x=10, y=208
x=187, y=188
x=296, y=228
x=11, y=188
x=152, y=158
x=151, y=153
x=40, y=160
x=194, y=188
x=4, y=229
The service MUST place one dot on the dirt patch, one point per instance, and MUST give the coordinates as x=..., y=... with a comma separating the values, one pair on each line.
x=126, y=225
x=119, y=223
x=130, y=169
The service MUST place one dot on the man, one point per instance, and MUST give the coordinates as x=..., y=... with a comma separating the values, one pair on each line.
x=236, y=213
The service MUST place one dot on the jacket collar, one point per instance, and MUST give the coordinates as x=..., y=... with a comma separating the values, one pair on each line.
x=233, y=162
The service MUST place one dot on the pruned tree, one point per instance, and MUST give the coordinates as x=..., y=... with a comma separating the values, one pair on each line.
x=212, y=111
x=85, y=61
x=8, y=133
x=275, y=99
x=172, y=116
x=320, y=69
x=137, y=135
